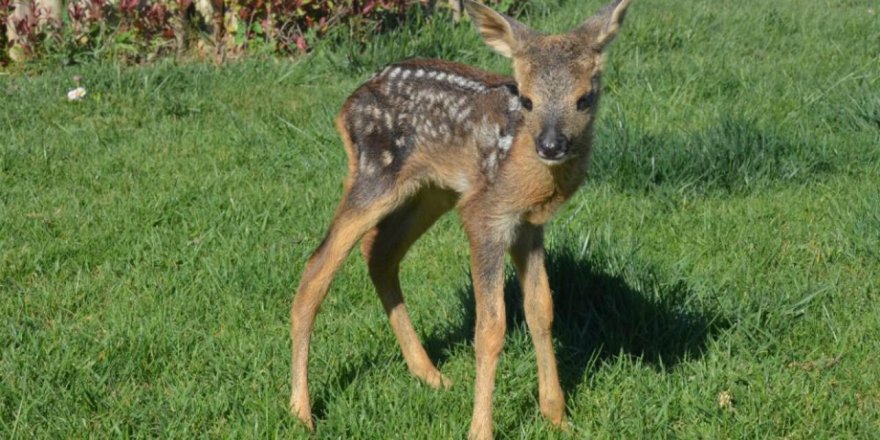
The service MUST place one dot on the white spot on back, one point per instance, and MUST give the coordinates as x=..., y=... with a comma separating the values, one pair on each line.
x=358, y=123
x=463, y=114
x=387, y=158
x=513, y=104
x=505, y=142
x=453, y=110
x=365, y=165
x=491, y=160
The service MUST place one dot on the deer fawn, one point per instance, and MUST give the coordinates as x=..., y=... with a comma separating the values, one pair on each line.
x=426, y=136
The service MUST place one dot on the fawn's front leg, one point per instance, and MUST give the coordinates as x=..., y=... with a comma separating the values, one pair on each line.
x=487, y=267
x=527, y=253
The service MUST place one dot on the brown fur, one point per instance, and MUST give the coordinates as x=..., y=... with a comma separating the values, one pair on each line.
x=426, y=136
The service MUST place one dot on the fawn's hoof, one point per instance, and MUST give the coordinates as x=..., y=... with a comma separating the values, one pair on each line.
x=434, y=379
x=438, y=381
x=482, y=433
x=303, y=413
x=555, y=414
x=564, y=425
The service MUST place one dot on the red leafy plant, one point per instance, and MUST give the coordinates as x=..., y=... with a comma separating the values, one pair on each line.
x=143, y=29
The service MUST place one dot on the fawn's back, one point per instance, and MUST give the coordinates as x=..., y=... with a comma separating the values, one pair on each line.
x=432, y=122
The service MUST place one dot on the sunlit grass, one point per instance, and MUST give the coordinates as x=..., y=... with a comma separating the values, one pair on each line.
x=727, y=241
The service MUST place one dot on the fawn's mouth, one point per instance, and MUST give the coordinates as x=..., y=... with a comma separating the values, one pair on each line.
x=553, y=158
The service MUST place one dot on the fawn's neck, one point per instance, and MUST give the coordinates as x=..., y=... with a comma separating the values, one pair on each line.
x=541, y=188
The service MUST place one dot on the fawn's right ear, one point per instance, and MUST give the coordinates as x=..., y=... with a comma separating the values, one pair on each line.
x=500, y=32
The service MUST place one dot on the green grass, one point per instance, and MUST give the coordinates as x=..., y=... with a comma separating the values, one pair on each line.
x=727, y=240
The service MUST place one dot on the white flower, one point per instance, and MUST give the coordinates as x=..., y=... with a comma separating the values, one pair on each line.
x=725, y=400
x=76, y=94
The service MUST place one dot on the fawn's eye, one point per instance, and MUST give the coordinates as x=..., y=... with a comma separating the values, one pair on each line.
x=526, y=102
x=586, y=101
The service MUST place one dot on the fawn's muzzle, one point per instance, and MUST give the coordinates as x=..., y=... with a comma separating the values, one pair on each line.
x=552, y=145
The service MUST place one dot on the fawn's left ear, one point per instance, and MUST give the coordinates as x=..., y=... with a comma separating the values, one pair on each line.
x=603, y=27
x=500, y=32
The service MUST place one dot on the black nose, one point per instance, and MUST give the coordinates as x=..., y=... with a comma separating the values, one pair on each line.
x=552, y=145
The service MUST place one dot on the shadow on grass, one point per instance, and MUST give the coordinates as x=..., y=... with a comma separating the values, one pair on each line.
x=600, y=317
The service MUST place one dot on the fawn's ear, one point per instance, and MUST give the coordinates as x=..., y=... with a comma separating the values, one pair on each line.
x=500, y=32
x=602, y=27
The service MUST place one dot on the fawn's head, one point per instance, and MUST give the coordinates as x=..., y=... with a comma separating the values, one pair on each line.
x=557, y=76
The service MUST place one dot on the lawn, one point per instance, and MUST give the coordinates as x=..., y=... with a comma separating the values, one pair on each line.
x=717, y=277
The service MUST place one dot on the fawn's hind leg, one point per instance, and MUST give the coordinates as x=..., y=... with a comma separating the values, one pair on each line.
x=349, y=225
x=383, y=248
